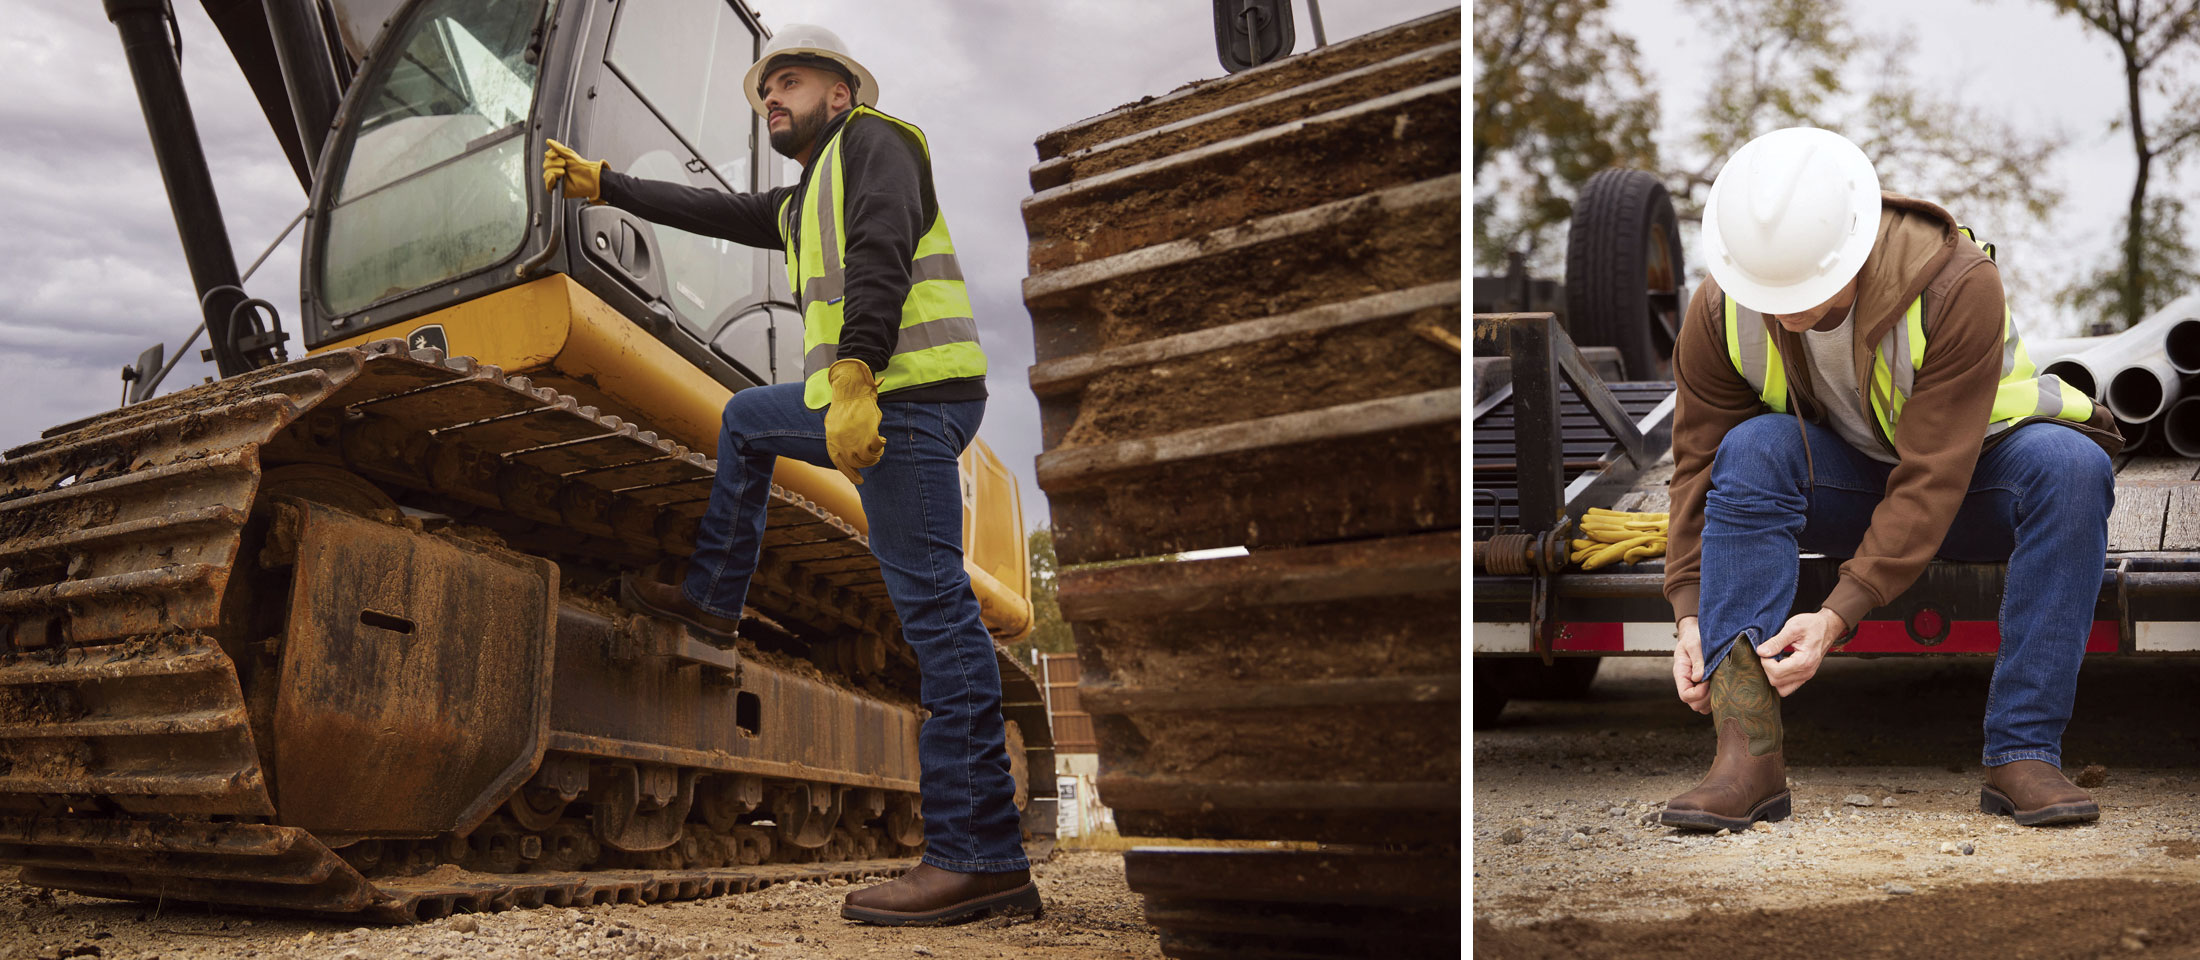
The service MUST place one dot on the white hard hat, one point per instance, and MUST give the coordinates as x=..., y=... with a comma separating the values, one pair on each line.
x=1790, y=219
x=801, y=41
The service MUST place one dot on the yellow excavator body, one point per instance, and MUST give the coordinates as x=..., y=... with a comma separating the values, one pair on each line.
x=562, y=336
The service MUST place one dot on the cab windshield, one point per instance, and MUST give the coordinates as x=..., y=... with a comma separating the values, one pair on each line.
x=433, y=184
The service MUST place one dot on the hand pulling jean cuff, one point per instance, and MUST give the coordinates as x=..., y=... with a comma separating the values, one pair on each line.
x=979, y=866
x=1749, y=635
x=2012, y=756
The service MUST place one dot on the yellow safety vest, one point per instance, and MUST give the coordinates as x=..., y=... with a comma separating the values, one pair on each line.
x=939, y=338
x=2023, y=392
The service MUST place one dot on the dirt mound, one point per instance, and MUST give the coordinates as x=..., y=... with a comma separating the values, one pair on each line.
x=2068, y=918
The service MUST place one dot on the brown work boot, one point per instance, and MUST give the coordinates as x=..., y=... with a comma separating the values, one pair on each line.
x=643, y=595
x=1748, y=778
x=2036, y=794
x=928, y=896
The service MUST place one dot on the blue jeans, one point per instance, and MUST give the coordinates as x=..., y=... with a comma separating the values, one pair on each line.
x=2039, y=499
x=913, y=498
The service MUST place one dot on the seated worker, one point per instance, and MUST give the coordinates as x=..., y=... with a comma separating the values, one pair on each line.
x=1851, y=383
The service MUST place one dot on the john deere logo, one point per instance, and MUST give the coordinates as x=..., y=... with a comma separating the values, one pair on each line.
x=429, y=337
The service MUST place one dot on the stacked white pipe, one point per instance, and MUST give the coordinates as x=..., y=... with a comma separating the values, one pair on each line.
x=2148, y=376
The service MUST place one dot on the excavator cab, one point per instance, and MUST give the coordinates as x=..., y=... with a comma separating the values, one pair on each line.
x=428, y=222
x=431, y=195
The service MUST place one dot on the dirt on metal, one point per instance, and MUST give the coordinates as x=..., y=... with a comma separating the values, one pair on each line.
x=1194, y=99
x=1236, y=384
x=213, y=603
x=1229, y=285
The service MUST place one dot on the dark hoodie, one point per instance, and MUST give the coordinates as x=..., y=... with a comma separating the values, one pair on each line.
x=890, y=203
x=1943, y=426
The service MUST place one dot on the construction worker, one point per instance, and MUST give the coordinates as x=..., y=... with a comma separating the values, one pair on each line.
x=893, y=390
x=1851, y=384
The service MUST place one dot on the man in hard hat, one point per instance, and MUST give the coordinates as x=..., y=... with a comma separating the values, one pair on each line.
x=892, y=391
x=1851, y=383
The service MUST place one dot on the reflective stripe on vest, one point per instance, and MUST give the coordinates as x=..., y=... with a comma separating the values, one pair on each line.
x=938, y=339
x=1754, y=354
x=2023, y=392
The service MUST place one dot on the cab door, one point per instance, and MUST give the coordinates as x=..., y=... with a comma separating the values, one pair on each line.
x=665, y=103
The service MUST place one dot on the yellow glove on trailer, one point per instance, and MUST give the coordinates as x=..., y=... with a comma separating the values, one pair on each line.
x=1615, y=536
x=583, y=178
x=851, y=422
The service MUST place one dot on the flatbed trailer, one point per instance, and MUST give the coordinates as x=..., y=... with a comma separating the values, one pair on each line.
x=1553, y=438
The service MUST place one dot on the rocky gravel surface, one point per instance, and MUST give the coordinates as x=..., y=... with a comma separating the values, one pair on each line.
x=1883, y=765
x=1090, y=915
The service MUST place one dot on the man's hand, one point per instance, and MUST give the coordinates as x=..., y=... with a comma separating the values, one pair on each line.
x=851, y=421
x=1811, y=634
x=1688, y=668
x=583, y=178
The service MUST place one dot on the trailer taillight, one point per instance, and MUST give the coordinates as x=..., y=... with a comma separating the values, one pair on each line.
x=1927, y=626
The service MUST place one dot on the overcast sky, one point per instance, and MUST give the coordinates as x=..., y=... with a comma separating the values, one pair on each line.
x=2015, y=58
x=91, y=271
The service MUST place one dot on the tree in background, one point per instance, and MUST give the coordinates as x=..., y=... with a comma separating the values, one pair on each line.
x=1558, y=96
x=1049, y=634
x=2154, y=38
x=1786, y=63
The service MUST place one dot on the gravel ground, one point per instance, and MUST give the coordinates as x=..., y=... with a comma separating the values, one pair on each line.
x=1883, y=763
x=1090, y=915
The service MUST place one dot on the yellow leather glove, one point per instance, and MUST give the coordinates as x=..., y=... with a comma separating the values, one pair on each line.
x=1617, y=537
x=583, y=178
x=851, y=421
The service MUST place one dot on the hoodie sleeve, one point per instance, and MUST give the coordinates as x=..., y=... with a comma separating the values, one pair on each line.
x=1712, y=399
x=1937, y=440
x=744, y=218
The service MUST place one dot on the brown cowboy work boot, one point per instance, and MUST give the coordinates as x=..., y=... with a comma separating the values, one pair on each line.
x=930, y=896
x=643, y=595
x=2035, y=793
x=1748, y=778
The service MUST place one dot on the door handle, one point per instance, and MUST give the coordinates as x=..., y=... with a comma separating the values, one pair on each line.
x=624, y=246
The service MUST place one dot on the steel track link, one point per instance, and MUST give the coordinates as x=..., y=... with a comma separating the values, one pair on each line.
x=283, y=868
x=124, y=673
x=1245, y=302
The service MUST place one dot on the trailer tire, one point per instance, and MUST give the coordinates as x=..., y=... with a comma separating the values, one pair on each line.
x=1626, y=280
x=1501, y=680
x=1489, y=693
x=1567, y=678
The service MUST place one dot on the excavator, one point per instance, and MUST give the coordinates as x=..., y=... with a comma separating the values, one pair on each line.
x=332, y=632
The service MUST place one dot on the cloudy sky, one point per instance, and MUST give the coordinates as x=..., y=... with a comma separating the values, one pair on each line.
x=91, y=271
x=2016, y=58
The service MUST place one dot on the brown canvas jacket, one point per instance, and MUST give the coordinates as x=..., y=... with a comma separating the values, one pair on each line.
x=1943, y=426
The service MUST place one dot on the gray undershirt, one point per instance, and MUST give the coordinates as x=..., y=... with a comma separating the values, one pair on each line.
x=1833, y=365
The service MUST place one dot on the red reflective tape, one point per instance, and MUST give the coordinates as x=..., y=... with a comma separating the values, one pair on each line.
x=2103, y=638
x=1594, y=637
x=1964, y=636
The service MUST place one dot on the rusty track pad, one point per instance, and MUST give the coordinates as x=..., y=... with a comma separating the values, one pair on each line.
x=415, y=689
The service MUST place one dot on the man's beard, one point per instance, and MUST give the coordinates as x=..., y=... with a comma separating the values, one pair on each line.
x=800, y=133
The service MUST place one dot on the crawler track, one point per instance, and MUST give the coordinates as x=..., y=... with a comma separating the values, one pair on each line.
x=1246, y=304
x=208, y=692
